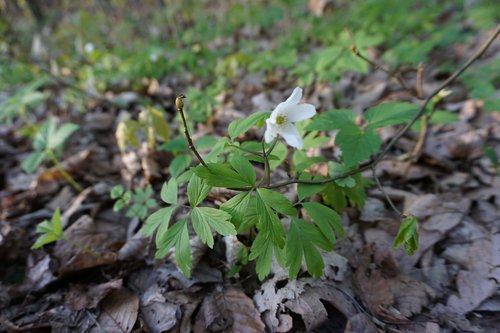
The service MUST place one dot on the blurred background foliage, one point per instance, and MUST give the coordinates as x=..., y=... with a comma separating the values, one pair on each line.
x=207, y=45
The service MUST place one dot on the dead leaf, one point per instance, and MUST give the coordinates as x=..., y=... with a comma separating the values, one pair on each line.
x=101, y=237
x=473, y=289
x=118, y=312
x=87, y=297
x=310, y=304
x=373, y=210
x=228, y=310
x=159, y=315
x=360, y=323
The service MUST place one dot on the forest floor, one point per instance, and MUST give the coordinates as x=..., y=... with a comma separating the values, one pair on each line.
x=451, y=283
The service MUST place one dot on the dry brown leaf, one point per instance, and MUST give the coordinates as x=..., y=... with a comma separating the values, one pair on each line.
x=360, y=323
x=87, y=297
x=159, y=315
x=473, y=289
x=118, y=312
x=312, y=309
x=410, y=295
x=373, y=289
x=101, y=237
x=229, y=311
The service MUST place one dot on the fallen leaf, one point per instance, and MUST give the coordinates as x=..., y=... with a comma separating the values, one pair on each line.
x=103, y=238
x=228, y=310
x=87, y=297
x=118, y=312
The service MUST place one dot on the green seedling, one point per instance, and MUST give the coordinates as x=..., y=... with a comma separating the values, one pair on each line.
x=51, y=231
x=139, y=200
x=47, y=144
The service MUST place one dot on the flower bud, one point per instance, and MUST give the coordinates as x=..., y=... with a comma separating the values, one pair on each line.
x=179, y=104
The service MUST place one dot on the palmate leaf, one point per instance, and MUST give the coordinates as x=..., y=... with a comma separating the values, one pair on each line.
x=388, y=114
x=204, y=219
x=357, y=144
x=221, y=175
x=335, y=119
x=277, y=201
x=303, y=240
x=59, y=137
x=237, y=207
x=327, y=220
x=177, y=236
x=197, y=190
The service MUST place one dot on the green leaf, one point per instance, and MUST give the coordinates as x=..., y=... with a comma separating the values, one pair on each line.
x=244, y=168
x=41, y=141
x=357, y=144
x=179, y=164
x=197, y=190
x=334, y=196
x=33, y=161
x=269, y=223
x=221, y=175
x=177, y=236
x=336, y=169
x=326, y=219
x=160, y=217
x=303, y=240
x=50, y=231
x=168, y=192
x=335, y=119
x=308, y=190
x=388, y=114
x=237, y=207
x=240, y=126
x=205, y=218
x=262, y=250
x=61, y=135
x=117, y=191
x=407, y=235
x=277, y=201
x=119, y=204
x=279, y=154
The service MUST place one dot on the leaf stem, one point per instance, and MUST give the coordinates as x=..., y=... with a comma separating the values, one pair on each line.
x=387, y=197
x=65, y=174
x=180, y=106
x=81, y=247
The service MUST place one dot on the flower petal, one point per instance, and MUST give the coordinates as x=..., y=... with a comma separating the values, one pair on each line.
x=291, y=135
x=295, y=97
x=300, y=112
x=271, y=132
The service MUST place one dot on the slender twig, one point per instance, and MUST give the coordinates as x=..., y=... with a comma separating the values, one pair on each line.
x=403, y=130
x=267, y=170
x=395, y=75
x=419, y=84
x=63, y=172
x=270, y=149
x=387, y=197
x=180, y=106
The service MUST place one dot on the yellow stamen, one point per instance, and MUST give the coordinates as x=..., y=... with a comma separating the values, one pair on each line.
x=280, y=119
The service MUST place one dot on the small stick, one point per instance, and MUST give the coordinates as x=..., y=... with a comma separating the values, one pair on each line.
x=180, y=106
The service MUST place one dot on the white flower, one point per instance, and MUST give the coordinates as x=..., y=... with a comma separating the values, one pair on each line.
x=284, y=117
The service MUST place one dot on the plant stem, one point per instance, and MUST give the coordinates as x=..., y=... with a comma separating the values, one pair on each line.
x=267, y=170
x=65, y=174
x=246, y=150
x=180, y=106
x=387, y=198
x=81, y=247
